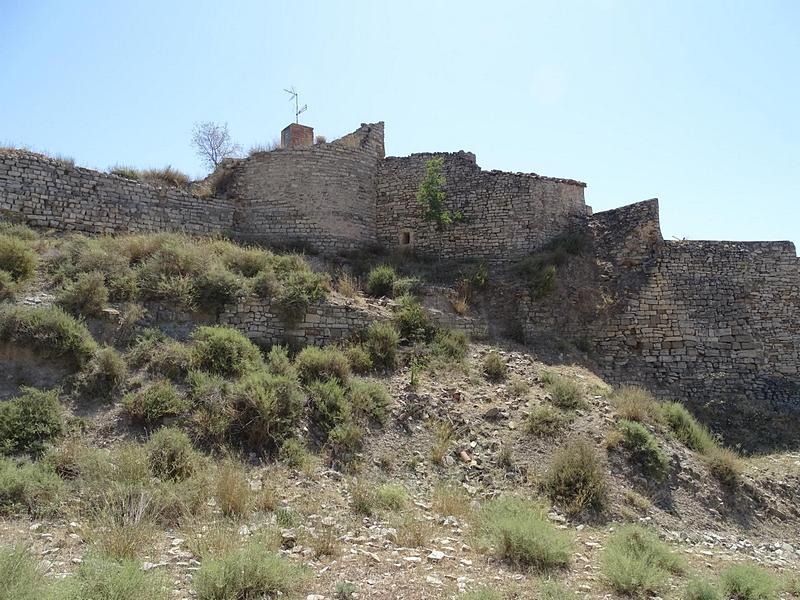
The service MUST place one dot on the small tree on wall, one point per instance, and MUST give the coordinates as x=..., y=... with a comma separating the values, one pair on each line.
x=213, y=143
x=432, y=196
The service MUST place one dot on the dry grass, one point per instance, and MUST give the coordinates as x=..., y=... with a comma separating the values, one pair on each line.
x=232, y=490
x=636, y=404
x=449, y=499
x=347, y=285
x=412, y=532
x=443, y=435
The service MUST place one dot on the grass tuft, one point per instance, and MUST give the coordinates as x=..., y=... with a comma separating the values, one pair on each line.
x=519, y=533
x=249, y=572
x=749, y=582
x=637, y=563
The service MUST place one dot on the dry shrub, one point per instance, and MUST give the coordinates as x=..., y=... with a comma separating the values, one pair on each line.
x=576, y=479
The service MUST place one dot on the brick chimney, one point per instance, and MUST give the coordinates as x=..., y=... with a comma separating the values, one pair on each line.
x=297, y=136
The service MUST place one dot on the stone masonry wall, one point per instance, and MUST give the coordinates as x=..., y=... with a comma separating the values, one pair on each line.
x=322, y=197
x=327, y=322
x=45, y=192
x=711, y=319
x=506, y=215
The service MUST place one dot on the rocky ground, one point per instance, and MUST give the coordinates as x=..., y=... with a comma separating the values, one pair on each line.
x=453, y=441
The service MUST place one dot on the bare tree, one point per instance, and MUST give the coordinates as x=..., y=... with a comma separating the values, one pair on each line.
x=213, y=143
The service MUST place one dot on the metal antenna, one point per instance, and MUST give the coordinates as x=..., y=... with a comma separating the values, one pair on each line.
x=298, y=110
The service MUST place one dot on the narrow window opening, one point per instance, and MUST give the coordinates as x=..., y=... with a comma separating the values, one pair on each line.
x=405, y=238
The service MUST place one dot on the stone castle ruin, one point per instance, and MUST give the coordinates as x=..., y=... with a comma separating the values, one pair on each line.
x=687, y=318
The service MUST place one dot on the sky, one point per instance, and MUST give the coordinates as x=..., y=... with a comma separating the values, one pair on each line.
x=695, y=102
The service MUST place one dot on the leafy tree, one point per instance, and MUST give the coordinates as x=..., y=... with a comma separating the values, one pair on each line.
x=433, y=197
x=213, y=143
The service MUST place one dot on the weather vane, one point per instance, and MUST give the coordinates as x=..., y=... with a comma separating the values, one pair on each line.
x=297, y=108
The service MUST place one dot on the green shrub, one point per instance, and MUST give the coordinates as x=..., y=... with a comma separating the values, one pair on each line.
x=749, y=582
x=224, y=351
x=106, y=579
x=160, y=355
x=155, y=401
x=21, y=576
x=298, y=290
x=214, y=412
x=328, y=406
x=19, y=231
x=404, y=286
x=87, y=295
x=344, y=590
x=701, y=589
x=8, y=288
x=17, y=258
x=31, y=487
x=545, y=420
x=644, y=449
x=565, y=393
x=322, y=364
x=106, y=372
x=344, y=441
x=246, y=261
x=637, y=563
x=268, y=408
x=48, y=331
x=554, y=590
x=170, y=454
x=450, y=343
x=494, y=366
x=635, y=404
x=217, y=287
x=291, y=303
x=520, y=534
x=412, y=320
x=279, y=363
x=576, y=479
x=380, y=281
x=249, y=572
x=391, y=496
x=29, y=421
x=360, y=359
x=382, y=342
x=723, y=463
x=686, y=428
x=265, y=284
x=294, y=453
x=369, y=400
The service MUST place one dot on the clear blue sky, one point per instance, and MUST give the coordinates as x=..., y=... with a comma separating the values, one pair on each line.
x=695, y=102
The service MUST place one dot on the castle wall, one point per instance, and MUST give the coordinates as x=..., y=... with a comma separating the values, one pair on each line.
x=321, y=197
x=45, y=192
x=710, y=320
x=505, y=215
